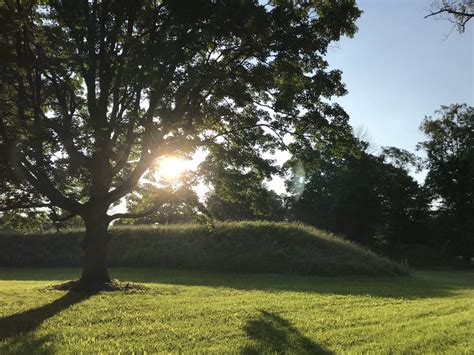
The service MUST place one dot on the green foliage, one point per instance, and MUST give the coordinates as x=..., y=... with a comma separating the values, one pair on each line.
x=94, y=92
x=361, y=196
x=238, y=187
x=26, y=221
x=231, y=246
x=450, y=179
x=401, y=158
x=199, y=312
x=169, y=203
x=35, y=221
x=246, y=204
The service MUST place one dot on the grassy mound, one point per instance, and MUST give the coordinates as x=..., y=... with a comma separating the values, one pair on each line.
x=233, y=246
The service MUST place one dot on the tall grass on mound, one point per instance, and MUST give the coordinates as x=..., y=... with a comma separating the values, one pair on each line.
x=232, y=246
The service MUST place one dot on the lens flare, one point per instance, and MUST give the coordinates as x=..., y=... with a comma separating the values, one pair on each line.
x=171, y=168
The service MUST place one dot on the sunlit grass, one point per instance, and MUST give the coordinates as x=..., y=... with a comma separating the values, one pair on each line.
x=430, y=312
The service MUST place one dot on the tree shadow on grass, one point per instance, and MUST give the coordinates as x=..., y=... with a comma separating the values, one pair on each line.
x=418, y=286
x=17, y=327
x=273, y=334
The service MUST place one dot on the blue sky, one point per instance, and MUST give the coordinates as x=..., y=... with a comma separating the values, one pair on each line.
x=400, y=67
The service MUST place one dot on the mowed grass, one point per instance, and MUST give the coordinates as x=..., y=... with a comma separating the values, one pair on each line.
x=185, y=311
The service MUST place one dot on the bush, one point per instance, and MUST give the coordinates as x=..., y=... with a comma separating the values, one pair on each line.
x=425, y=256
x=230, y=246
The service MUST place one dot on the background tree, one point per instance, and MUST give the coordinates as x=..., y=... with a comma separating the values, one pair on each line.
x=249, y=204
x=367, y=198
x=238, y=187
x=168, y=205
x=165, y=201
x=450, y=179
x=23, y=221
x=405, y=203
x=93, y=92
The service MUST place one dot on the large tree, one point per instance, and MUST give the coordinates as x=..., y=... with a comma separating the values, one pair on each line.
x=93, y=92
x=450, y=163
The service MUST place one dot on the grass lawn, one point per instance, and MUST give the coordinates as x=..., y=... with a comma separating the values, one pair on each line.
x=213, y=312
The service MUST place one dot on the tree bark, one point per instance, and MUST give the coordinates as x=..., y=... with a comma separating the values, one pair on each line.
x=94, y=270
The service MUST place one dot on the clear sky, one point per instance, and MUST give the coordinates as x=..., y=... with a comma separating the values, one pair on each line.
x=400, y=67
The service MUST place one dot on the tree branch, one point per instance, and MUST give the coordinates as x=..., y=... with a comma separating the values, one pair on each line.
x=452, y=12
x=461, y=17
x=42, y=184
x=135, y=215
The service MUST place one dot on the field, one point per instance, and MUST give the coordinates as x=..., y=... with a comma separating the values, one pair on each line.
x=190, y=311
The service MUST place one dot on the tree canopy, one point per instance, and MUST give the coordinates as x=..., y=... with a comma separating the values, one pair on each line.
x=240, y=194
x=368, y=198
x=93, y=92
x=450, y=179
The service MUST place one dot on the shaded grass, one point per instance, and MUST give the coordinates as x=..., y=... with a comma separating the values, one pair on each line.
x=186, y=311
x=232, y=246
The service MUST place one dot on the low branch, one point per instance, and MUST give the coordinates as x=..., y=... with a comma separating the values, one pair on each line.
x=63, y=218
x=135, y=215
x=40, y=181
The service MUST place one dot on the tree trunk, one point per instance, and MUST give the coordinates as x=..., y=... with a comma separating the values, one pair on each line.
x=94, y=270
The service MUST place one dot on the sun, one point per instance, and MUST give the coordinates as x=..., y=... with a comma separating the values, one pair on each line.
x=171, y=168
